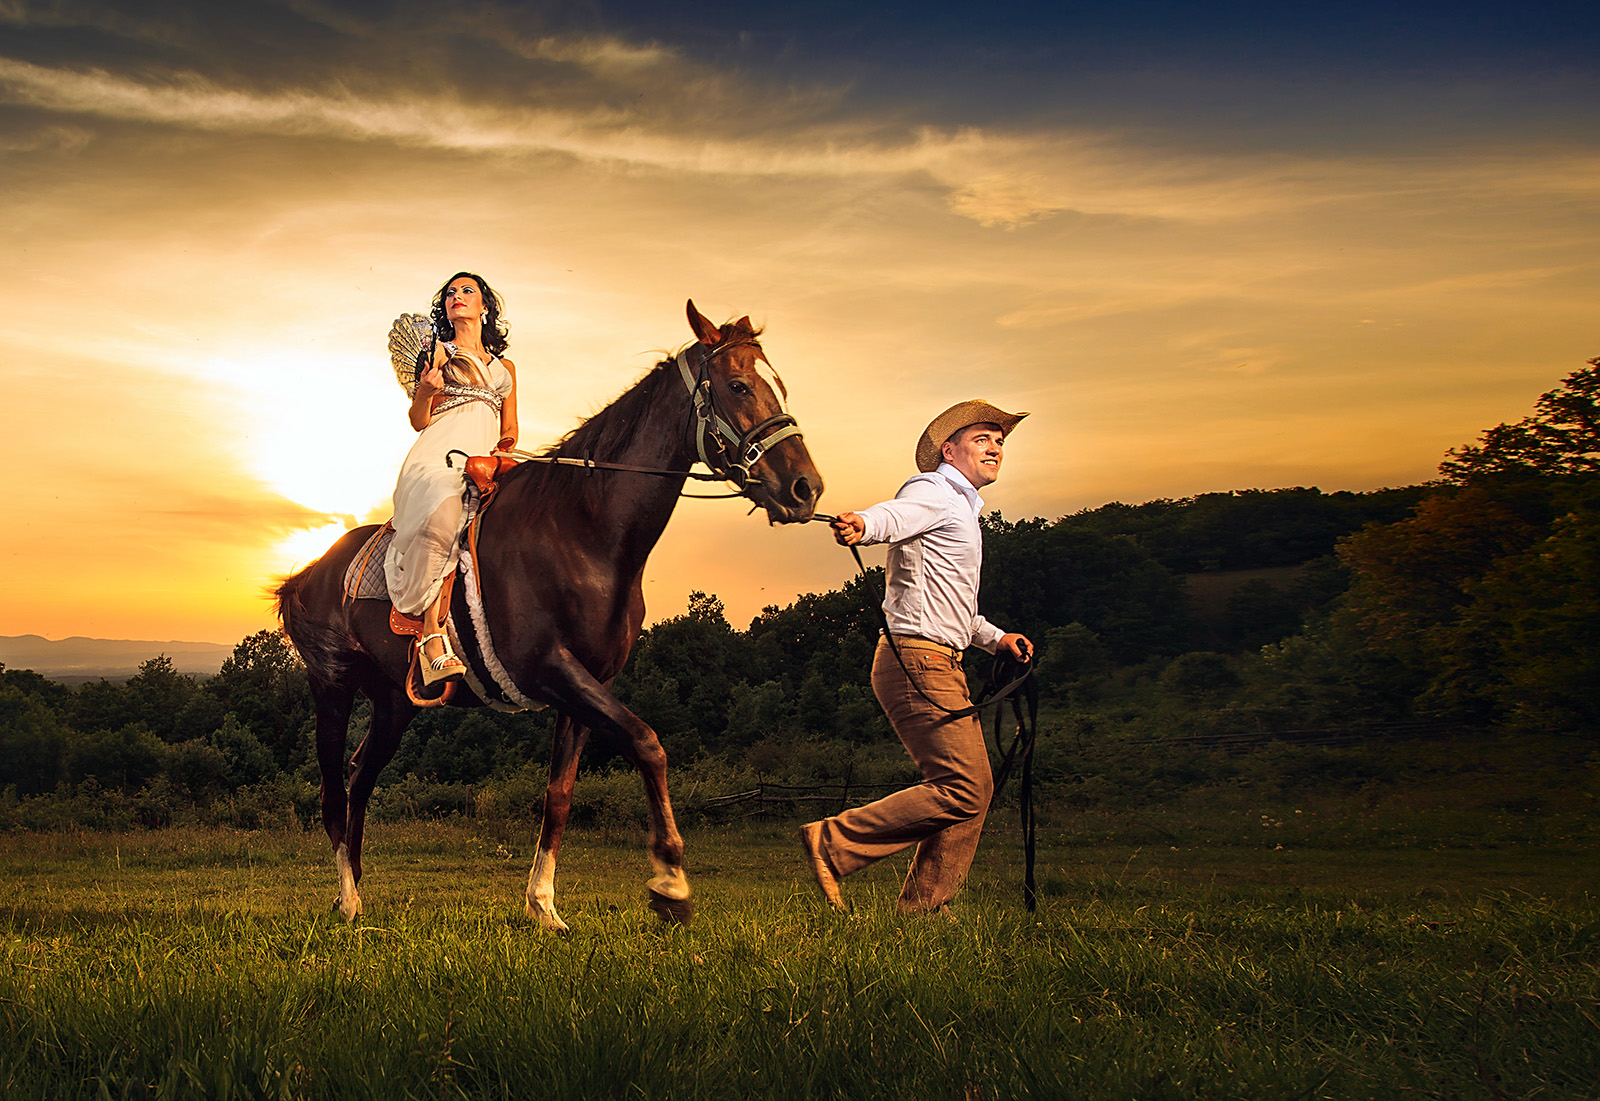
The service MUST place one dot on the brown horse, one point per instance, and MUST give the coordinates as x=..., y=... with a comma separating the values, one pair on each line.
x=559, y=559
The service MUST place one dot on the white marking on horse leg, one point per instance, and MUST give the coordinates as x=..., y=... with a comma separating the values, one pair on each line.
x=542, y=892
x=669, y=881
x=349, y=900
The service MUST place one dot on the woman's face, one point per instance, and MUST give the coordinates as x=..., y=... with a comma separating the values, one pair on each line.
x=463, y=300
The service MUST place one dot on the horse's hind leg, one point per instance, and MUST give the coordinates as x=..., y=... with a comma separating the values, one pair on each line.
x=564, y=754
x=592, y=705
x=391, y=713
x=333, y=703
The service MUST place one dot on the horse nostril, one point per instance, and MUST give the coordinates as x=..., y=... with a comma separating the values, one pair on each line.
x=800, y=490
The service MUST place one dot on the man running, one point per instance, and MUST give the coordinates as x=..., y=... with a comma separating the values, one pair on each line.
x=931, y=604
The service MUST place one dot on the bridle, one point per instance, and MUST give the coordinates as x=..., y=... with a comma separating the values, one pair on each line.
x=719, y=446
x=729, y=455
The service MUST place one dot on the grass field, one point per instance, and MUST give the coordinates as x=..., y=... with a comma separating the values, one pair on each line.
x=185, y=963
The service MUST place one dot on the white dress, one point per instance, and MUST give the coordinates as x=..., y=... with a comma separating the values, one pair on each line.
x=429, y=497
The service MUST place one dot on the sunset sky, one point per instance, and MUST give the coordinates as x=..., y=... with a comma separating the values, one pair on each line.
x=1209, y=247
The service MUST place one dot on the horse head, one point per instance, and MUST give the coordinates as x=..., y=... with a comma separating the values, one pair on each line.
x=744, y=427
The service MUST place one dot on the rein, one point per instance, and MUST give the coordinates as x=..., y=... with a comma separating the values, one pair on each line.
x=707, y=426
x=997, y=690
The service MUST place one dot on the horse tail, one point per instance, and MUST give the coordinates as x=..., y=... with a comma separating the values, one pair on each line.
x=324, y=648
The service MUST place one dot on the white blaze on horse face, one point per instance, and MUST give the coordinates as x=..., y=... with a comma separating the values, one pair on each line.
x=770, y=377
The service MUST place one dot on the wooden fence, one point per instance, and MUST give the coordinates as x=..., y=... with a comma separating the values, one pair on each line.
x=821, y=800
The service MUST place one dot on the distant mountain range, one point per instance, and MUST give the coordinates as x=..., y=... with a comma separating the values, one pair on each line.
x=77, y=659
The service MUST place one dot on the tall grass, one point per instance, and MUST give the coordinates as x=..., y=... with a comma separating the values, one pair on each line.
x=201, y=964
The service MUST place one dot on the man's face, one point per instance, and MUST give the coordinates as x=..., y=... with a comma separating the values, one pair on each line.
x=976, y=451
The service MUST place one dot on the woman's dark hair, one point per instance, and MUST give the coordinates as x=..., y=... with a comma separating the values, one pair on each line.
x=494, y=327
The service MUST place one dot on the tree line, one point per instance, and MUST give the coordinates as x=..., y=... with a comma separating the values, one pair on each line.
x=1474, y=598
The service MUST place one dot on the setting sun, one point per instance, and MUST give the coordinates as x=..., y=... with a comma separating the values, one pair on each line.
x=301, y=548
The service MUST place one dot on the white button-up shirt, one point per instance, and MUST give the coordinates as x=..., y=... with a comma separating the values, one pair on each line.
x=935, y=557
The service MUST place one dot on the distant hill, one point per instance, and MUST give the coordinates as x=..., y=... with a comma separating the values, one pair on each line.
x=77, y=659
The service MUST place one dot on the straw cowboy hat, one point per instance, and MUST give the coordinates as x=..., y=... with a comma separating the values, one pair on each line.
x=953, y=420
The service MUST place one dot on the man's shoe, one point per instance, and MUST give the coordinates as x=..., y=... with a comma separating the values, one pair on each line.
x=811, y=842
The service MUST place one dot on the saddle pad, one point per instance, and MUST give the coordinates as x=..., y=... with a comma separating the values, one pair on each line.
x=364, y=579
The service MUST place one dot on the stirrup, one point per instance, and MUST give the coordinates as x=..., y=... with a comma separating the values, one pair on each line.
x=443, y=667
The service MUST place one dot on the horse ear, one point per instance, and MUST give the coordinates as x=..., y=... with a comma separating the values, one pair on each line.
x=744, y=323
x=707, y=333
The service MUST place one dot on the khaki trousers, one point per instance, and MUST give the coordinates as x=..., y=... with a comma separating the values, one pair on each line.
x=943, y=815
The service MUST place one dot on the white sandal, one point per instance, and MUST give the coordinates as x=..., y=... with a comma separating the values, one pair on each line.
x=443, y=667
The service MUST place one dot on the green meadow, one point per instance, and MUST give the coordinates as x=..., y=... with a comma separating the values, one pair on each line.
x=194, y=962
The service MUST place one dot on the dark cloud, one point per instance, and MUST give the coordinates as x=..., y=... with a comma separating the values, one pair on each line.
x=1247, y=75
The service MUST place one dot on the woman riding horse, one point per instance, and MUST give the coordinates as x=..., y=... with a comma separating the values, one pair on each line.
x=554, y=597
x=465, y=400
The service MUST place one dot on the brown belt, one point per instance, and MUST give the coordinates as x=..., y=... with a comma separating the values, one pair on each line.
x=912, y=642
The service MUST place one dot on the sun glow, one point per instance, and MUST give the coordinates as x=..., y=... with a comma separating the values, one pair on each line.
x=335, y=442
x=300, y=548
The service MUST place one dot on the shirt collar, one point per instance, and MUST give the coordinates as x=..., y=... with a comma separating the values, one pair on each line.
x=964, y=487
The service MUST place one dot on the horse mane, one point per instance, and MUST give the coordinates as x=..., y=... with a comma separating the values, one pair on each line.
x=603, y=435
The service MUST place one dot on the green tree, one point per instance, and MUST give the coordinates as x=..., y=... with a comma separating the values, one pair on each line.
x=264, y=685
x=100, y=705
x=1199, y=676
x=681, y=674
x=124, y=759
x=1072, y=662
x=1038, y=575
x=1329, y=673
x=57, y=697
x=1542, y=608
x=1562, y=437
x=198, y=770
x=1488, y=594
x=815, y=649
x=34, y=743
x=1247, y=528
x=247, y=760
x=1260, y=612
x=157, y=695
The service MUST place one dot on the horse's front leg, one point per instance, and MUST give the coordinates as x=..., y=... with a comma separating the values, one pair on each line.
x=333, y=703
x=564, y=753
x=391, y=712
x=591, y=704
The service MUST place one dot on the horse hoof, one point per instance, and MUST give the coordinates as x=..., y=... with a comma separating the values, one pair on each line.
x=548, y=920
x=676, y=911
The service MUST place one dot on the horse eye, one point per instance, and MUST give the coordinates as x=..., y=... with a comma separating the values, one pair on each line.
x=738, y=387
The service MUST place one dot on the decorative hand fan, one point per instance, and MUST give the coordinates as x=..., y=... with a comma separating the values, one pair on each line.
x=410, y=346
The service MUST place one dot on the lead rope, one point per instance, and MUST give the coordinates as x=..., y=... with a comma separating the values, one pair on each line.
x=1025, y=708
x=998, y=690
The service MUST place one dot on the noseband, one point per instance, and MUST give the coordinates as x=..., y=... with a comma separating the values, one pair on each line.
x=719, y=446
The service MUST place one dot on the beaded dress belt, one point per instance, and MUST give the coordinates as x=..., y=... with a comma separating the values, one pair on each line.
x=912, y=642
